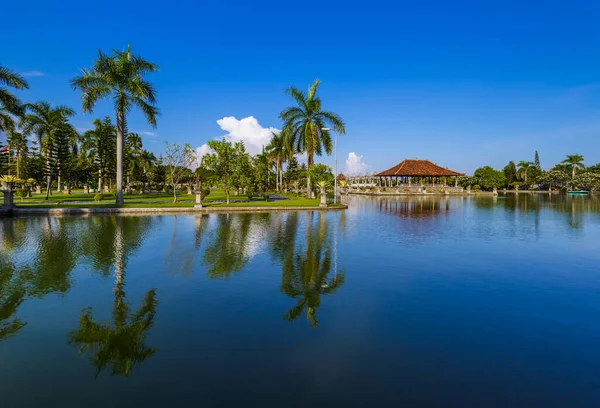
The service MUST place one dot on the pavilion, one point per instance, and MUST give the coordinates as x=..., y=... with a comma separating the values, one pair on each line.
x=422, y=172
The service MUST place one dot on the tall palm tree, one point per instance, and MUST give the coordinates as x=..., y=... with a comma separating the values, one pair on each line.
x=49, y=124
x=147, y=161
x=120, y=77
x=574, y=161
x=134, y=147
x=99, y=145
x=275, y=150
x=306, y=123
x=10, y=105
x=523, y=170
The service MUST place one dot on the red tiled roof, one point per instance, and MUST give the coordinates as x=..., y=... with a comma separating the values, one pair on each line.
x=418, y=168
x=341, y=177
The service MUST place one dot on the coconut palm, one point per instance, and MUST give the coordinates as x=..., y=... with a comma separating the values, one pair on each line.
x=276, y=152
x=10, y=105
x=147, y=161
x=120, y=77
x=52, y=128
x=132, y=154
x=306, y=123
x=574, y=162
x=523, y=169
x=99, y=147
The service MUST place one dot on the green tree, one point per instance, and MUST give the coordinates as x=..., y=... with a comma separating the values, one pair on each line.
x=133, y=149
x=524, y=170
x=178, y=159
x=555, y=179
x=99, y=147
x=53, y=130
x=593, y=169
x=574, y=162
x=306, y=122
x=120, y=77
x=18, y=142
x=489, y=178
x=10, y=105
x=292, y=171
x=536, y=161
x=586, y=181
x=510, y=172
x=223, y=163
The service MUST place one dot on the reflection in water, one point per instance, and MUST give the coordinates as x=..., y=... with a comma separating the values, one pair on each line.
x=414, y=207
x=120, y=342
x=306, y=269
x=12, y=294
x=228, y=250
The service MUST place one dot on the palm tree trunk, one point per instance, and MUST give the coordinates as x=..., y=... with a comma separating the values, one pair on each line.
x=120, y=137
x=573, y=172
x=18, y=159
x=310, y=162
x=48, y=179
x=100, y=181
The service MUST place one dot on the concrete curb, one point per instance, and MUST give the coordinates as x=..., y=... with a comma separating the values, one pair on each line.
x=166, y=210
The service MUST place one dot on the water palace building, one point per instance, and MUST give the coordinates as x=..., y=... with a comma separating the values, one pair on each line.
x=415, y=171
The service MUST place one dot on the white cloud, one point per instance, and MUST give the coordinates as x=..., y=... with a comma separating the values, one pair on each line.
x=151, y=135
x=32, y=74
x=248, y=130
x=200, y=153
x=355, y=164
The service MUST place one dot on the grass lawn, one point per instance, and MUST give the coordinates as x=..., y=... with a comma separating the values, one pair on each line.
x=156, y=200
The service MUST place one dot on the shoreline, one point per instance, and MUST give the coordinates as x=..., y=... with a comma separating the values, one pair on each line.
x=165, y=210
x=455, y=194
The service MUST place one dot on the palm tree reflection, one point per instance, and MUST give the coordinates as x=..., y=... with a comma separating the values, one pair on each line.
x=306, y=273
x=120, y=343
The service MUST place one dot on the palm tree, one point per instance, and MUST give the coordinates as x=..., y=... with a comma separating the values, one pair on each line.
x=275, y=150
x=133, y=149
x=306, y=123
x=523, y=170
x=147, y=161
x=9, y=104
x=49, y=124
x=121, y=77
x=99, y=144
x=574, y=161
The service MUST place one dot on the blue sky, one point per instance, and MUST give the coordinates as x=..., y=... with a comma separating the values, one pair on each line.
x=463, y=84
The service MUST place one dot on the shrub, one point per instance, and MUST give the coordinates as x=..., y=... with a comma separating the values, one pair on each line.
x=21, y=193
x=250, y=194
x=98, y=197
x=476, y=187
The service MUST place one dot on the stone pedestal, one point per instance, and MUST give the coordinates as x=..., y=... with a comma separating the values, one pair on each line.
x=495, y=191
x=198, y=203
x=9, y=196
x=190, y=192
x=38, y=189
x=446, y=192
x=67, y=191
x=86, y=189
x=106, y=190
x=323, y=202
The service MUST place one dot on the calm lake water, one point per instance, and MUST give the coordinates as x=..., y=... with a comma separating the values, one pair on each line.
x=424, y=301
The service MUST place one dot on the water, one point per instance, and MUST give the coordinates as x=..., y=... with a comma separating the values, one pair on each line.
x=420, y=301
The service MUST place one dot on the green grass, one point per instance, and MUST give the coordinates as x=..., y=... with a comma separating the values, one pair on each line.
x=156, y=200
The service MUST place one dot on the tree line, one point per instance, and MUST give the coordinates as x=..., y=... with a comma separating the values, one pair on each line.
x=44, y=149
x=571, y=173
